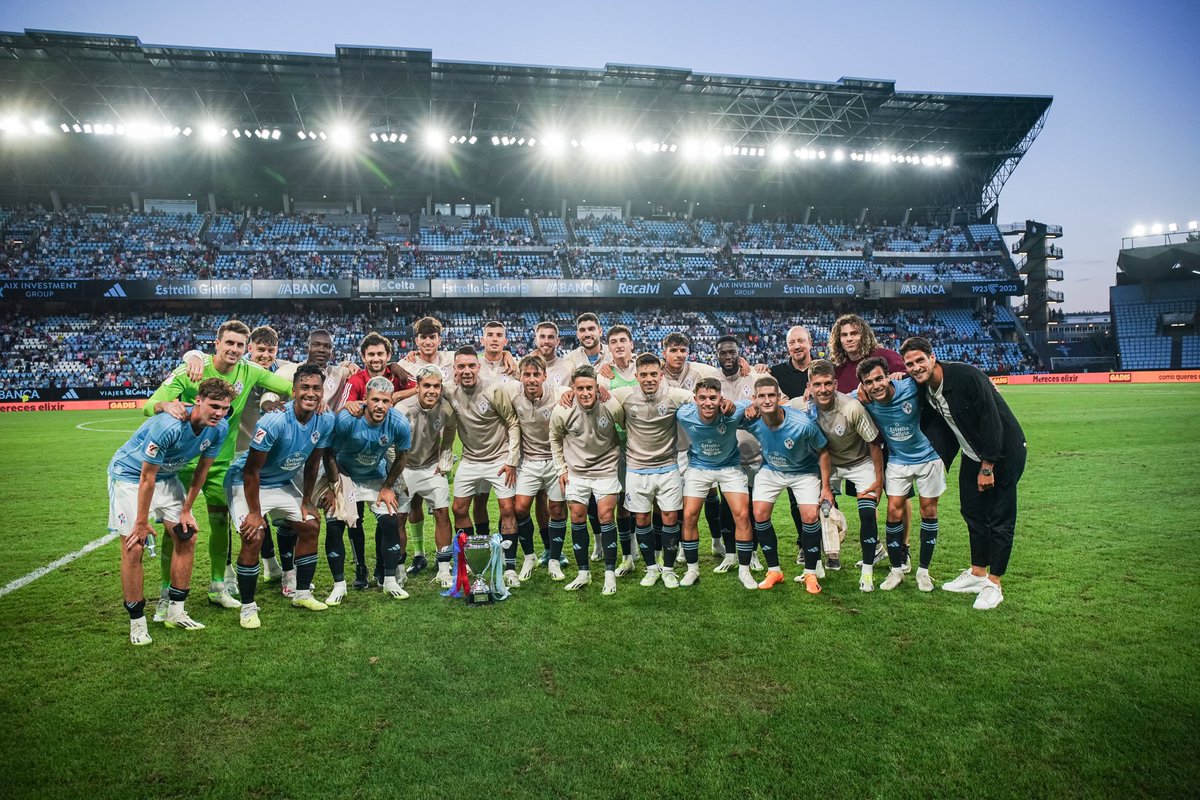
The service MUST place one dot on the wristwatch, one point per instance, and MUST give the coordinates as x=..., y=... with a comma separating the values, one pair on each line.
x=986, y=472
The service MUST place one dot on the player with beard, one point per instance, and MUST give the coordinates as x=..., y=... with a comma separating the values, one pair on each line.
x=617, y=371
x=545, y=341
x=376, y=352
x=360, y=450
x=430, y=459
x=261, y=485
x=589, y=335
x=736, y=387
x=491, y=450
x=792, y=375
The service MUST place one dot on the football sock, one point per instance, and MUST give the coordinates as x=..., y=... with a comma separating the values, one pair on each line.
x=509, y=542
x=136, y=610
x=727, y=527
x=358, y=542
x=218, y=544
x=712, y=514
x=247, y=580
x=558, y=534
x=670, y=544
x=594, y=517
x=335, y=550
x=388, y=529
x=744, y=551
x=306, y=568
x=929, y=534
x=869, y=534
x=581, y=544
x=895, y=543
x=525, y=534
x=287, y=547
x=795, y=509
x=765, y=532
x=625, y=535
x=416, y=536
x=691, y=551
x=177, y=595
x=645, y=540
x=810, y=543
x=483, y=530
x=268, y=544
x=608, y=543
x=165, y=548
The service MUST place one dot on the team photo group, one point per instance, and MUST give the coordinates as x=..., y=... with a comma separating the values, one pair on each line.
x=616, y=453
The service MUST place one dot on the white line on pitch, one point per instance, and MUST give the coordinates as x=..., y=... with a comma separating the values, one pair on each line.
x=83, y=426
x=53, y=565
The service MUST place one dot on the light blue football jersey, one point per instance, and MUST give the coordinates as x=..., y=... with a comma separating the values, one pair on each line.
x=793, y=446
x=287, y=443
x=361, y=448
x=168, y=442
x=712, y=446
x=900, y=423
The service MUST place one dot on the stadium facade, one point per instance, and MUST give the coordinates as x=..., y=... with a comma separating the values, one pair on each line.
x=382, y=182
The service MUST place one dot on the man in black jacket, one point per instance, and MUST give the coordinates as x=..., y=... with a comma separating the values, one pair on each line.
x=961, y=409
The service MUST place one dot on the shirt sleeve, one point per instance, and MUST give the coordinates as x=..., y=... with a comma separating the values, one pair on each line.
x=862, y=421
x=219, y=439
x=170, y=389
x=681, y=396
x=325, y=424
x=558, y=428
x=272, y=382
x=265, y=433
x=504, y=407
x=403, y=440
x=159, y=438
x=616, y=409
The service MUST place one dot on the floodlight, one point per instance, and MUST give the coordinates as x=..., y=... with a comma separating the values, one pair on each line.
x=521, y=141
x=237, y=134
x=1139, y=230
x=64, y=128
x=374, y=137
x=475, y=139
x=1172, y=228
x=838, y=155
x=1194, y=225
x=947, y=161
x=435, y=139
x=504, y=140
x=341, y=137
x=1156, y=228
x=275, y=134
x=821, y=154
x=531, y=141
x=495, y=140
x=76, y=128
x=403, y=138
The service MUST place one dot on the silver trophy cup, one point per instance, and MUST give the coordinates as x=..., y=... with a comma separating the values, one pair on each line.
x=478, y=554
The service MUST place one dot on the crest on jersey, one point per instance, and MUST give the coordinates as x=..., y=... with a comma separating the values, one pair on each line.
x=314, y=436
x=721, y=429
x=839, y=429
x=546, y=412
x=151, y=450
x=259, y=435
x=483, y=406
x=237, y=387
x=789, y=443
x=436, y=422
x=662, y=408
x=602, y=422
x=906, y=407
x=383, y=439
x=746, y=390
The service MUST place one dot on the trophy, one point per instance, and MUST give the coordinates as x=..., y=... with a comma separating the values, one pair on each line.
x=477, y=551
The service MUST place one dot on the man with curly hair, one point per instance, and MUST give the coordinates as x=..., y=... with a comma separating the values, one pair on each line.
x=850, y=341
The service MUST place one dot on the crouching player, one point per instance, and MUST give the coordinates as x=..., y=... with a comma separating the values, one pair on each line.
x=142, y=478
x=587, y=449
x=359, y=451
x=794, y=457
x=261, y=484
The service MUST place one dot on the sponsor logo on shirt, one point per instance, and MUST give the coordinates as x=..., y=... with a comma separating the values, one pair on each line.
x=901, y=433
x=546, y=413
x=204, y=445
x=151, y=450
x=259, y=435
x=293, y=462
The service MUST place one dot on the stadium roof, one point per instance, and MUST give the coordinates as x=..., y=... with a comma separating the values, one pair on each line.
x=72, y=78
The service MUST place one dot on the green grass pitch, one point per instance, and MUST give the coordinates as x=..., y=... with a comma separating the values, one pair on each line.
x=1083, y=683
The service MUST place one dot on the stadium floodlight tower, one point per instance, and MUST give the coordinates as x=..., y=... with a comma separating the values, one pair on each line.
x=1037, y=246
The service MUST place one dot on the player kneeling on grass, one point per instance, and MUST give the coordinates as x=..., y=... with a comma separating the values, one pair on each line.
x=794, y=457
x=714, y=461
x=912, y=461
x=142, y=478
x=261, y=484
x=359, y=452
x=587, y=448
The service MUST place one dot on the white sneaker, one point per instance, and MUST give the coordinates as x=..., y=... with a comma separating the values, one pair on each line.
x=989, y=597
x=579, y=581
x=680, y=559
x=221, y=597
x=866, y=580
x=161, y=608
x=746, y=578
x=177, y=617
x=249, y=618
x=511, y=580
x=393, y=589
x=444, y=578
x=528, y=566
x=138, y=632
x=626, y=566
x=755, y=564
x=651, y=576
x=610, y=582
x=401, y=575
x=966, y=583
x=337, y=595
x=924, y=582
x=273, y=571
x=554, y=568
x=718, y=547
x=669, y=578
x=692, y=576
x=287, y=586
x=880, y=555
x=729, y=562
x=597, y=551
x=820, y=570
x=800, y=558
x=907, y=566
x=895, y=576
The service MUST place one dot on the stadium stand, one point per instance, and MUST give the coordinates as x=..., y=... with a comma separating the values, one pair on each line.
x=1137, y=316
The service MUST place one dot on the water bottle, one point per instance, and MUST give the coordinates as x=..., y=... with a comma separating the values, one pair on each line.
x=825, y=507
x=151, y=550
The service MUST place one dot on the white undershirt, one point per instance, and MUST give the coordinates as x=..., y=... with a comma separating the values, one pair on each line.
x=938, y=401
